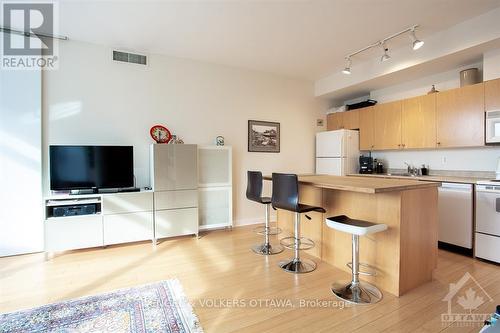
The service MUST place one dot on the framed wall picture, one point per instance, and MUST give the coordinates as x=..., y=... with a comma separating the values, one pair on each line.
x=263, y=136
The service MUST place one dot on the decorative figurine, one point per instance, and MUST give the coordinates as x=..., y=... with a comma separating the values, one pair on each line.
x=174, y=140
x=219, y=141
x=433, y=90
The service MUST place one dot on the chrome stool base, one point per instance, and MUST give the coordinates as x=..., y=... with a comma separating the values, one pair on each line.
x=267, y=249
x=298, y=266
x=363, y=293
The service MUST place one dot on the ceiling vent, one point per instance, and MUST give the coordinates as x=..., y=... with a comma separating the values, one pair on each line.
x=129, y=57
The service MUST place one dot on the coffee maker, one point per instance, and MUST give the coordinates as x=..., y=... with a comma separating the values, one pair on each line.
x=365, y=164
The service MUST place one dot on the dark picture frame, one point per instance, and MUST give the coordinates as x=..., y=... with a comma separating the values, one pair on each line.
x=263, y=136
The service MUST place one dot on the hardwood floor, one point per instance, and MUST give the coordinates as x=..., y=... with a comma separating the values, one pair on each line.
x=230, y=286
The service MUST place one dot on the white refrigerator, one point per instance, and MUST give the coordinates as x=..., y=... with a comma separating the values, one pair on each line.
x=337, y=152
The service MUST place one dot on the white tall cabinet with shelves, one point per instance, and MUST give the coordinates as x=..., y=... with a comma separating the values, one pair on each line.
x=215, y=187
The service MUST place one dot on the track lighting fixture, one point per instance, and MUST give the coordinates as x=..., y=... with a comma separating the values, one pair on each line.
x=385, y=56
x=416, y=44
x=347, y=69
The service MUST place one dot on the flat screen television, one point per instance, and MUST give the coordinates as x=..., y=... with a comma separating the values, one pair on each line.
x=91, y=167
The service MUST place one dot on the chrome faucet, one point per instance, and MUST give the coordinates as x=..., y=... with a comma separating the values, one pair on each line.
x=412, y=171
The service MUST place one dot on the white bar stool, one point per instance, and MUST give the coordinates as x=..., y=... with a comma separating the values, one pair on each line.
x=355, y=291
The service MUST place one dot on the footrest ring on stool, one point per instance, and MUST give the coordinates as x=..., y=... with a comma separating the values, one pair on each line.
x=371, y=272
x=302, y=244
x=271, y=230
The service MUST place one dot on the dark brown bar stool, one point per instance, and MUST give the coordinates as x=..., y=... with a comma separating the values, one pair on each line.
x=286, y=196
x=254, y=193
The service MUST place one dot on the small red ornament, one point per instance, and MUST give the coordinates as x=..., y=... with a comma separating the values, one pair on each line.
x=160, y=134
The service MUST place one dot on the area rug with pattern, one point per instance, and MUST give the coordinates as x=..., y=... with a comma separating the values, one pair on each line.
x=157, y=307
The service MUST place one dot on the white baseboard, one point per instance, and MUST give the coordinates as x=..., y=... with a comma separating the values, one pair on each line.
x=214, y=226
x=256, y=220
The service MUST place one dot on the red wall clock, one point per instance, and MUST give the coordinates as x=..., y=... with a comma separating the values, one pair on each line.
x=160, y=134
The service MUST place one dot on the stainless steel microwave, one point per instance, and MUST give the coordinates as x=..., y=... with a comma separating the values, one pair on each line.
x=493, y=126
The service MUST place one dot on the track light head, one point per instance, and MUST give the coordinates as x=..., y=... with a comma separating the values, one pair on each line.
x=347, y=69
x=385, y=56
x=417, y=43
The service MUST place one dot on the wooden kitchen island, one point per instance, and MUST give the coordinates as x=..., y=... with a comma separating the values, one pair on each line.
x=405, y=255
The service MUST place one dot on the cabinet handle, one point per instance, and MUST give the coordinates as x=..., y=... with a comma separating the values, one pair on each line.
x=403, y=145
x=438, y=143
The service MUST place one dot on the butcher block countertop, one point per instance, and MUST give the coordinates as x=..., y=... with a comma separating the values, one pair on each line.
x=362, y=184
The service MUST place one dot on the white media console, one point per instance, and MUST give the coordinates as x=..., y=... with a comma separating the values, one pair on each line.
x=191, y=191
x=120, y=218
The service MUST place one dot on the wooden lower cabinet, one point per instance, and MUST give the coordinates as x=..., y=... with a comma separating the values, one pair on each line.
x=418, y=122
x=404, y=255
x=387, y=123
x=460, y=117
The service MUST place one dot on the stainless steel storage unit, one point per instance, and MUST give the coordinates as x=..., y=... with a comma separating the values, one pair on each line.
x=455, y=214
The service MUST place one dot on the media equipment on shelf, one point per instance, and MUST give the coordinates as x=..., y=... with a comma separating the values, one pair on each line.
x=73, y=207
x=74, y=210
x=94, y=168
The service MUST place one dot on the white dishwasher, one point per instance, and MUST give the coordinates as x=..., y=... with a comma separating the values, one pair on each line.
x=456, y=214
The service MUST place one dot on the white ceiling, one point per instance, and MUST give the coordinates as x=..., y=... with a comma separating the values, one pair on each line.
x=296, y=38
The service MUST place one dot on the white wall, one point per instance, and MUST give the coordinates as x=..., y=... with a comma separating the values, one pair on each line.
x=472, y=159
x=491, y=66
x=442, y=81
x=92, y=100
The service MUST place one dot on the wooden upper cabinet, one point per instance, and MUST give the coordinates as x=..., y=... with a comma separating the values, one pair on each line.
x=339, y=120
x=418, y=122
x=492, y=95
x=387, y=123
x=366, y=128
x=334, y=121
x=460, y=117
x=350, y=119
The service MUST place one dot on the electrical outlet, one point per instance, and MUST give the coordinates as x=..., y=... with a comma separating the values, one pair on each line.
x=443, y=160
x=319, y=122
